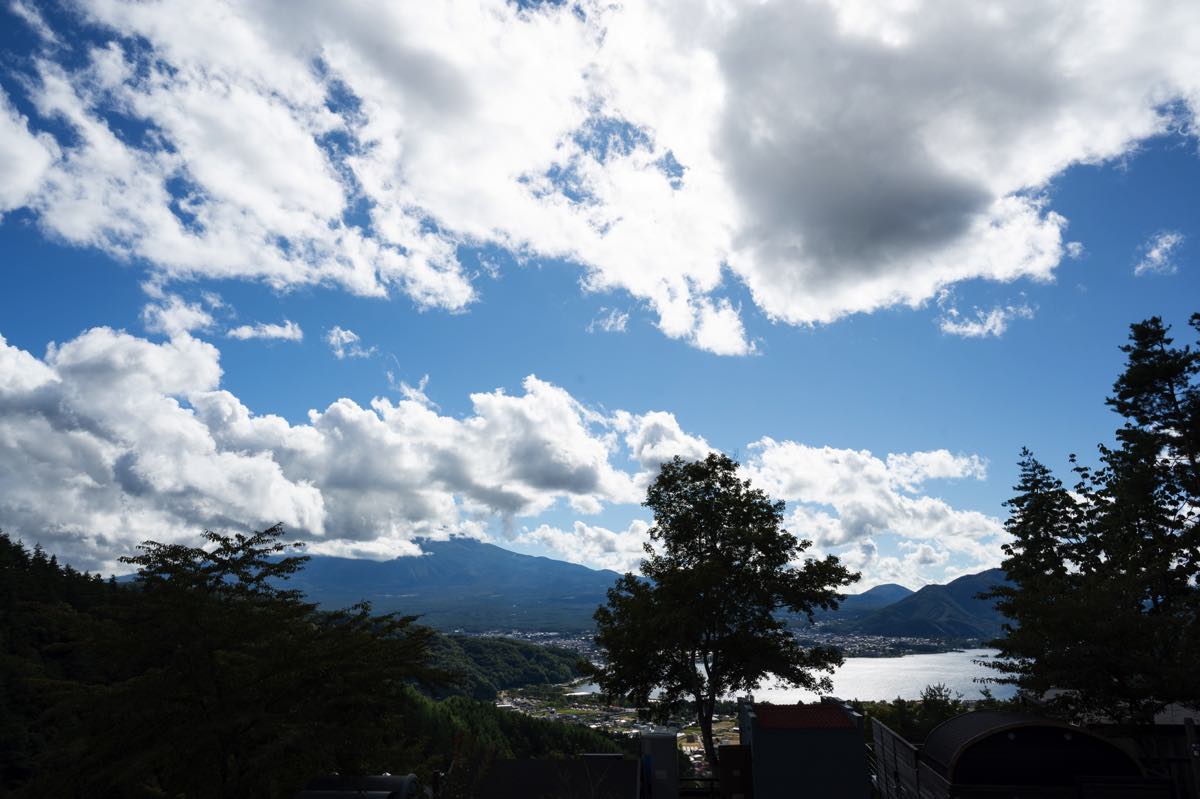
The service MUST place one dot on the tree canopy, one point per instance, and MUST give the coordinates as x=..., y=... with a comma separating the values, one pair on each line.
x=1104, y=602
x=207, y=676
x=704, y=617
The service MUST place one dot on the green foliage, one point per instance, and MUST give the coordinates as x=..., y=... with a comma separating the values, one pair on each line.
x=482, y=666
x=914, y=719
x=1104, y=602
x=461, y=738
x=704, y=619
x=207, y=678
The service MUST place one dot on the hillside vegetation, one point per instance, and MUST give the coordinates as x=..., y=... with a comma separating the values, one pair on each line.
x=952, y=611
x=484, y=666
x=206, y=679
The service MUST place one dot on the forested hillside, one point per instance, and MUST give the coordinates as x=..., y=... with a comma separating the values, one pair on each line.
x=483, y=665
x=205, y=678
x=949, y=611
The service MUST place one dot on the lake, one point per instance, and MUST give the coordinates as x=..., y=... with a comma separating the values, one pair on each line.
x=888, y=678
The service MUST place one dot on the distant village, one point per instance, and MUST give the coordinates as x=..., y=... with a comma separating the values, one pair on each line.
x=851, y=643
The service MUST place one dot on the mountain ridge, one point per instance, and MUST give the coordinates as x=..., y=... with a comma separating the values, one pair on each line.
x=473, y=586
x=464, y=584
x=939, y=611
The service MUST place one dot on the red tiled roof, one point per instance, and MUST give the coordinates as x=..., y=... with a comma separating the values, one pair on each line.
x=822, y=715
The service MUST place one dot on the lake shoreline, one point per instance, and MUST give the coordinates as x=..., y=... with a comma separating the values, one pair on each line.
x=876, y=679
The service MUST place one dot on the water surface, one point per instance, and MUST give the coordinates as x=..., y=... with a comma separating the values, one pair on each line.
x=889, y=678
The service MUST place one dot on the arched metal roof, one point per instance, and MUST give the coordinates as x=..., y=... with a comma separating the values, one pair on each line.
x=950, y=740
x=946, y=741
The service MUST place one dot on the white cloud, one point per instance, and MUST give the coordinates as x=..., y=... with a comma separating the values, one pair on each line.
x=920, y=564
x=97, y=452
x=173, y=315
x=1158, y=254
x=24, y=157
x=654, y=438
x=982, y=323
x=600, y=547
x=719, y=329
x=909, y=470
x=414, y=393
x=841, y=496
x=609, y=320
x=346, y=344
x=111, y=439
x=33, y=18
x=288, y=331
x=835, y=158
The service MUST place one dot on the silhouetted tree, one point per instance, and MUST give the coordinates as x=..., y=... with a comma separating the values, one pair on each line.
x=704, y=617
x=1104, y=602
x=207, y=676
x=1047, y=626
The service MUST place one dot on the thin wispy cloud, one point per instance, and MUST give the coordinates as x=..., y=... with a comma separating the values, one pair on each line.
x=288, y=331
x=980, y=323
x=609, y=320
x=347, y=344
x=1157, y=255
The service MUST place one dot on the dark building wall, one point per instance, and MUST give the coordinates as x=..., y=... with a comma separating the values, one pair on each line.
x=816, y=763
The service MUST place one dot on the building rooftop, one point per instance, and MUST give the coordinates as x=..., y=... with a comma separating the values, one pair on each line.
x=823, y=716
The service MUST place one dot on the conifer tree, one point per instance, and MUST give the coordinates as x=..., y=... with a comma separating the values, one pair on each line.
x=1104, y=600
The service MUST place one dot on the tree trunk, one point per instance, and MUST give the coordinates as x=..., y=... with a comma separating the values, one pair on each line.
x=704, y=714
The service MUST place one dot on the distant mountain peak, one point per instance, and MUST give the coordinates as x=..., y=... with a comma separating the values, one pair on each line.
x=952, y=610
x=464, y=583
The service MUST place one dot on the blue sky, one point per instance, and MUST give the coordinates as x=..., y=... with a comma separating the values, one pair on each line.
x=872, y=288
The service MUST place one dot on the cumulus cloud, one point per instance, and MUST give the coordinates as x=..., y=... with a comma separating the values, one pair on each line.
x=910, y=470
x=97, y=451
x=110, y=439
x=288, y=331
x=982, y=324
x=621, y=551
x=834, y=158
x=920, y=563
x=841, y=496
x=173, y=315
x=1158, y=254
x=654, y=438
x=346, y=344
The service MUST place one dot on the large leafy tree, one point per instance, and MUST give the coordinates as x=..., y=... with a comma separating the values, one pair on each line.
x=1104, y=601
x=705, y=617
x=214, y=679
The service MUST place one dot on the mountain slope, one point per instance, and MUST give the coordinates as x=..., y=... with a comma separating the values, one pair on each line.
x=874, y=598
x=939, y=611
x=856, y=606
x=464, y=584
